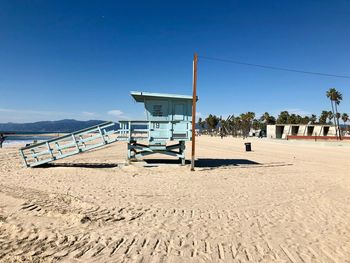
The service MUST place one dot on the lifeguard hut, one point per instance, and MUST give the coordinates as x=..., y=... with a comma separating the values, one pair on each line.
x=168, y=119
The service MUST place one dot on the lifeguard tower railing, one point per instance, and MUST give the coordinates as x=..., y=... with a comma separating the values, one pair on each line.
x=154, y=131
x=156, y=134
x=70, y=144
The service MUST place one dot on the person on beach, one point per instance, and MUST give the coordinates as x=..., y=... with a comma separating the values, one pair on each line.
x=2, y=139
x=221, y=131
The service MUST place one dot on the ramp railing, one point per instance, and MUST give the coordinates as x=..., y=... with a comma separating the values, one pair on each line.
x=70, y=144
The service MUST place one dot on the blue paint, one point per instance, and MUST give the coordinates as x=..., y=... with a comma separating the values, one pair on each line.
x=168, y=116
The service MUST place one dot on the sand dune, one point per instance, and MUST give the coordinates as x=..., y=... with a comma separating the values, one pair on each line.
x=284, y=202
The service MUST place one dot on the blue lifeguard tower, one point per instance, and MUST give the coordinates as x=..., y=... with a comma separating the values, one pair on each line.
x=168, y=120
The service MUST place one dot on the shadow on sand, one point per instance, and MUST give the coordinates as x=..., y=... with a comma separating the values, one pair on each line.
x=200, y=163
x=204, y=162
x=80, y=165
x=163, y=161
x=214, y=163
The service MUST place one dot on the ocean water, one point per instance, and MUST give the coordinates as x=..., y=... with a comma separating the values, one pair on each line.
x=28, y=138
x=25, y=138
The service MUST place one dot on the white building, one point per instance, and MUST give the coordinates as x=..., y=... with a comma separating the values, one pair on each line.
x=285, y=131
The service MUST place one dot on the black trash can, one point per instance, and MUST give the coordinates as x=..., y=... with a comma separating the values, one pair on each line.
x=248, y=147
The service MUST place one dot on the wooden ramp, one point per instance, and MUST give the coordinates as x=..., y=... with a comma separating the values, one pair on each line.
x=70, y=144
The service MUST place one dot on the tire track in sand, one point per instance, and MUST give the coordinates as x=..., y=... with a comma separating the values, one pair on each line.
x=153, y=234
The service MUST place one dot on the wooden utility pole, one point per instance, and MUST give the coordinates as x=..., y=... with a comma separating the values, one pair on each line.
x=194, y=101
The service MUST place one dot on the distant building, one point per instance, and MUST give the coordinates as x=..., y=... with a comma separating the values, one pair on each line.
x=256, y=133
x=301, y=131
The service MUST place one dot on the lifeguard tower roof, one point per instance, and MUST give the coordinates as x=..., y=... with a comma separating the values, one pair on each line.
x=140, y=96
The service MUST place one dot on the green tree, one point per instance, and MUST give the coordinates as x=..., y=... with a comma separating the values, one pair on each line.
x=212, y=121
x=237, y=125
x=272, y=120
x=313, y=118
x=267, y=119
x=293, y=119
x=201, y=123
x=246, y=122
x=345, y=119
x=283, y=117
x=256, y=124
x=323, y=117
x=339, y=98
x=304, y=120
x=330, y=117
x=223, y=126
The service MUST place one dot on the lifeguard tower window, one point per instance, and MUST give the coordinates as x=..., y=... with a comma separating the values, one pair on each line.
x=157, y=109
x=179, y=112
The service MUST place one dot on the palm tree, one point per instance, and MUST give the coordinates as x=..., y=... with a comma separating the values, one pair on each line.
x=201, y=123
x=345, y=118
x=265, y=120
x=265, y=117
x=313, y=118
x=339, y=98
x=335, y=98
x=237, y=124
x=257, y=125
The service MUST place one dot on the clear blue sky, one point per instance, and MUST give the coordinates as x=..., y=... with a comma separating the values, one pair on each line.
x=80, y=59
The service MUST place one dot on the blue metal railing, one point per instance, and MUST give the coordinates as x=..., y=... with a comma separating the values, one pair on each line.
x=68, y=145
x=154, y=130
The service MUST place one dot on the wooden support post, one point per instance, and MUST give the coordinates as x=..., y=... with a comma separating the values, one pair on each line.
x=194, y=101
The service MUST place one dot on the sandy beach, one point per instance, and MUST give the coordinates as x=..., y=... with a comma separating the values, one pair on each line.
x=286, y=201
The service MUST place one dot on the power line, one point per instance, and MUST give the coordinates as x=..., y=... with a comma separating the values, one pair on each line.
x=274, y=68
